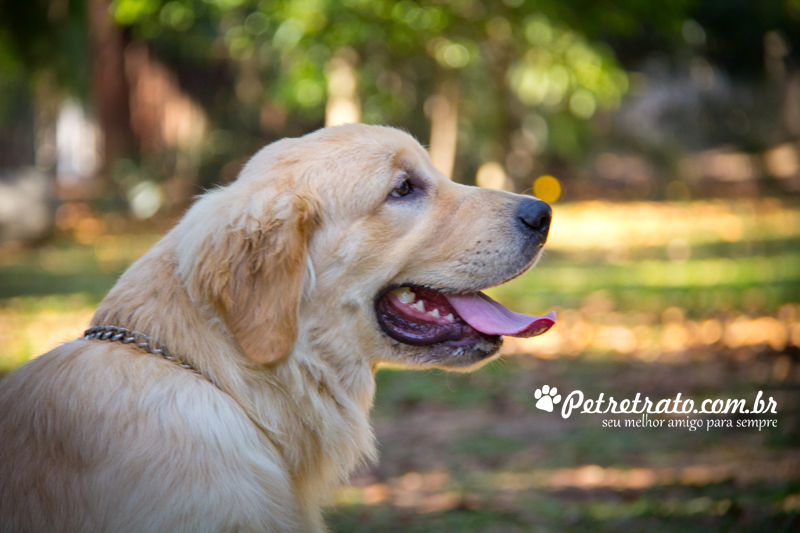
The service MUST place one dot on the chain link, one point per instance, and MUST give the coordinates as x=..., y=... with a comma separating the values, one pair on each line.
x=126, y=336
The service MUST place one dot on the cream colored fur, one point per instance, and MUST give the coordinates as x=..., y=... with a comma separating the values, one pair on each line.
x=267, y=287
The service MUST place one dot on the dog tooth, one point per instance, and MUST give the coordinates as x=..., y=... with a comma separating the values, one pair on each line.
x=405, y=295
x=420, y=306
x=450, y=317
x=434, y=313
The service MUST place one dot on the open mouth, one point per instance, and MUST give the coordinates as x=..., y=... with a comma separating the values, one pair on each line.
x=422, y=316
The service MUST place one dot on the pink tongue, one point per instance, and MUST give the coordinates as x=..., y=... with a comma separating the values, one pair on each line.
x=491, y=318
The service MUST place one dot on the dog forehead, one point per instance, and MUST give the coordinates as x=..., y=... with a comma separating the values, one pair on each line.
x=349, y=168
x=374, y=152
x=358, y=159
x=365, y=136
x=339, y=150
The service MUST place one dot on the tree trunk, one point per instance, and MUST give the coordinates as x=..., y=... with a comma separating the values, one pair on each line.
x=442, y=108
x=343, y=105
x=109, y=86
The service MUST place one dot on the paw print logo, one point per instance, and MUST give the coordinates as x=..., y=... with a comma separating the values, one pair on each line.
x=546, y=398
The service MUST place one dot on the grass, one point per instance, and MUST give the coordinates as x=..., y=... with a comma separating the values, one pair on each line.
x=701, y=299
x=69, y=267
x=506, y=461
x=714, y=509
x=701, y=286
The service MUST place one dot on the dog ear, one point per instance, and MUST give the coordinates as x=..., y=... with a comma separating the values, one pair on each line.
x=254, y=273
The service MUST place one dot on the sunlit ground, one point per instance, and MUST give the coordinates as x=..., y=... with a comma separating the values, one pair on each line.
x=699, y=298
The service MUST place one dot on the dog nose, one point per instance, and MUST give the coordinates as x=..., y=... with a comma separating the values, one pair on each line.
x=534, y=217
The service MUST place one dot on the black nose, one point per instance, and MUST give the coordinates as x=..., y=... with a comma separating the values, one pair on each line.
x=534, y=217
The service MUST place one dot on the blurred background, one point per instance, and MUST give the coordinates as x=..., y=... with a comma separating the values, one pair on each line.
x=666, y=133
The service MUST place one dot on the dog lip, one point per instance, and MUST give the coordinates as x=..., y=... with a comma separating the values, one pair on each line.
x=413, y=329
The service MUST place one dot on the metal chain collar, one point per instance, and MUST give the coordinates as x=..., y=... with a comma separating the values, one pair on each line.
x=126, y=336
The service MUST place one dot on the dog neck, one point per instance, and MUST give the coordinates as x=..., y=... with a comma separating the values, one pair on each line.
x=312, y=405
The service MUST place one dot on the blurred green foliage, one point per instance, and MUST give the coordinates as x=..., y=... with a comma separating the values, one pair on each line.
x=236, y=55
x=404, y=50
x=530, y=73
x=38, y=38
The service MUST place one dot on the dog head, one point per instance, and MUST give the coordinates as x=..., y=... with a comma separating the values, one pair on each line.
x=349, y=234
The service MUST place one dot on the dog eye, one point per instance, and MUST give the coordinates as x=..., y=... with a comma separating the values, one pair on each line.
x=404, y=189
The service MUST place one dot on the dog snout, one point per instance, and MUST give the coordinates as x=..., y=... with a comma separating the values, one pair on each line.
x=534, y=218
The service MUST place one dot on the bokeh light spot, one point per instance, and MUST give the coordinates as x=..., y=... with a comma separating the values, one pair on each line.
x=145, y=199
x=309, y=93
x=256, y=23
x=491, y=176
x=547, y=188
x=582, y=104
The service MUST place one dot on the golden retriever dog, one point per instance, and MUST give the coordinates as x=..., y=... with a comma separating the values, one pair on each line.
x=227, y=379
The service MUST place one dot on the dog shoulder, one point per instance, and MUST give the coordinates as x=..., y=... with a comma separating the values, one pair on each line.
x=99, y=437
